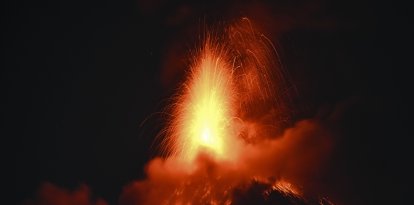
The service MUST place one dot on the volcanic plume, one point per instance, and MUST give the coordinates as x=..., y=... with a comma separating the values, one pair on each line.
x=225, y=142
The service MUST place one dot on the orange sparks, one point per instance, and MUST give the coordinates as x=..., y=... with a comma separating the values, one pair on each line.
x=286, y=187
x=204, y=112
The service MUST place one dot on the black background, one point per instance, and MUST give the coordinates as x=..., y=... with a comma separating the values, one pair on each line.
x=80, y=78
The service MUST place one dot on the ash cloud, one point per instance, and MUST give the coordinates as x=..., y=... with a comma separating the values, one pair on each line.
x=296, y=156
x=50, y=194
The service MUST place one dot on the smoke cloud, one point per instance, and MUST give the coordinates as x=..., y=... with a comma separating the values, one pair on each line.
x=49, y=194
x=295, y=157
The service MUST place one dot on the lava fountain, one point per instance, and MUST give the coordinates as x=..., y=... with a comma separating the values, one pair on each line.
x=205, y=111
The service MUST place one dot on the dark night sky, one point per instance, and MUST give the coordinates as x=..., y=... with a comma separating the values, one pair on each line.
x=79, y=78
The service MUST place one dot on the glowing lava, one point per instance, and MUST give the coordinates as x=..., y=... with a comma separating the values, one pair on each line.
x=205, y=109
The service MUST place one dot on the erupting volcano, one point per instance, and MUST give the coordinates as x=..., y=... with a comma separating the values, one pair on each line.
x=222, y=144
x=229, y=138
x=263, y=102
